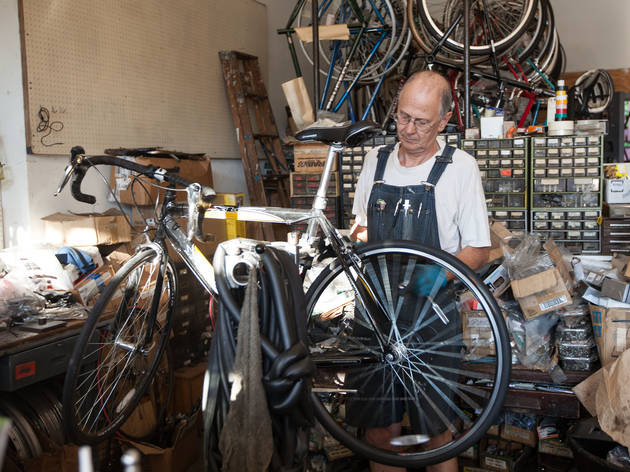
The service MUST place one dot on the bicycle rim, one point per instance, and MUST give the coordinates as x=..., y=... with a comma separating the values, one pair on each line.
x=422, y=39
x=427, y=379
x=113, y=363
x=602, y=91
x=340, y=11
x=508, y=20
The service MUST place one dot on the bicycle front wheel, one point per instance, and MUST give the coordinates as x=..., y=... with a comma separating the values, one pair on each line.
x=119, y=348
x=418, y=377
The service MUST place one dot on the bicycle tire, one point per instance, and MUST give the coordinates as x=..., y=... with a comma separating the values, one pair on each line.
x=109, y=349
x=602, y=93
x=344, y=354
x=436, y=29
x=418, y=33
x=371, y=71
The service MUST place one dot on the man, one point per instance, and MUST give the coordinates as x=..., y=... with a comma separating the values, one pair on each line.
x=442, y=187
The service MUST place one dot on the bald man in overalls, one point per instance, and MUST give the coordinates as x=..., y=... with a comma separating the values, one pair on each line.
x=441, y=184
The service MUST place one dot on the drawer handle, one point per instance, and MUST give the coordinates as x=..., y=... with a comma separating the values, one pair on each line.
x=612, y=241
x=620, y=225
x=619, y=234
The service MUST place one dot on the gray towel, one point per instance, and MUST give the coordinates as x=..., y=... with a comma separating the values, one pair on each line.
x=246, y=441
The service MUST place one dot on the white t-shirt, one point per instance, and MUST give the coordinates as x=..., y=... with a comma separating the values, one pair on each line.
x=462, y=215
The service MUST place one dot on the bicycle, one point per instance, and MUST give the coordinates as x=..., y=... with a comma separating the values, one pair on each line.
x=353, y=335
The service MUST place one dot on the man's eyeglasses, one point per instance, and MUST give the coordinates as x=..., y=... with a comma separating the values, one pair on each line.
x=422, y=125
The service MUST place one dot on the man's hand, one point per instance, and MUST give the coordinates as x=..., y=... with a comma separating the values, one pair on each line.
x=359, y=233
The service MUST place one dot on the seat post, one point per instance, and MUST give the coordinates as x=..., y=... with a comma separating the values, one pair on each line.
x=320, y=201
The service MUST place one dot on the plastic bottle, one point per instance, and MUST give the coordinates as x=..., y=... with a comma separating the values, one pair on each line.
x=561, y=101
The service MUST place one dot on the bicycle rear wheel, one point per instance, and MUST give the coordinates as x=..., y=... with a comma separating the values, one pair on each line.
x=424, y=378
x=119, y=350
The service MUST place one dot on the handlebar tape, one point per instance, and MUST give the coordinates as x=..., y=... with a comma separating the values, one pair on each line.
x=149, y=171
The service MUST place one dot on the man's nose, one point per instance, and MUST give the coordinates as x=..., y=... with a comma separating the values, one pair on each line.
x=410, y=128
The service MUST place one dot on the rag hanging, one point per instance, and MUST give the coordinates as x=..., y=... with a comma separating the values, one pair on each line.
x=246, y=441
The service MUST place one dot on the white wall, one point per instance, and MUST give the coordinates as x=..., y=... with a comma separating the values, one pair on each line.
x=594, y=33
x=15, y=203
x=30, y=181
x=280, y=65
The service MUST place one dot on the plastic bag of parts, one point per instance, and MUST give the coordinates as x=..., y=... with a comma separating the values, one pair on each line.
x=477, y=334
x=526, y=259
x=19, y=309
x=533, y=340
x=520, y=420
x=619, y=456
x=576, y=315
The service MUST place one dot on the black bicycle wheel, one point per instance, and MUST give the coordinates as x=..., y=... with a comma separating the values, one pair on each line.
x=420, y=372
x=117, y=354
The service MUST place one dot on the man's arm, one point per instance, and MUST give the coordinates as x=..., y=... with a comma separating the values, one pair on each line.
x=474, y=257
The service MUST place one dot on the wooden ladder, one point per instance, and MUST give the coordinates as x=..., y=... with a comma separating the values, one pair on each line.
x=258, y=139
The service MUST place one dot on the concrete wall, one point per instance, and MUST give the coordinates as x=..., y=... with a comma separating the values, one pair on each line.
x=594, y=34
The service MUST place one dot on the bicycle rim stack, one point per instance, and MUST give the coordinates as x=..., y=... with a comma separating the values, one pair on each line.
x=516, y=54
x=424, y=371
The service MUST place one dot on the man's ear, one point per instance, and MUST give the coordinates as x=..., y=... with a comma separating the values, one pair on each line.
x=445, y=119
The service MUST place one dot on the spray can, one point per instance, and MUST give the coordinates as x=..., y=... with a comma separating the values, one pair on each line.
x=561, y=101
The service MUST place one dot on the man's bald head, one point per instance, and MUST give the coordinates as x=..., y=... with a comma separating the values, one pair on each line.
x=431, y=80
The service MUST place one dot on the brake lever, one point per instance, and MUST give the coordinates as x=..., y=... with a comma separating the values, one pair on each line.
x=66, y=178
x=75, y=154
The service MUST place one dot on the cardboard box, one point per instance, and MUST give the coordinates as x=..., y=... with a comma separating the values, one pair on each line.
x=119, y=256
x=611, y=330
x=188, y=387
x=563, y=267
x=616, y=290
x=541, y=293
x=500, y=237
x=555, y=447
x=477, y=334
x=142, y=419
x=185, y=451
x=90, y=229
x=617, y=190
x=88, y=289
x=510, y=457
x=514, y=433
x=310, y=157
x=121, y=179
x=498, y=281
x=491, y=127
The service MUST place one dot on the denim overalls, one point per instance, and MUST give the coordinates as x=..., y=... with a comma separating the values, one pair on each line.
x=405, y=212
x=409, y=213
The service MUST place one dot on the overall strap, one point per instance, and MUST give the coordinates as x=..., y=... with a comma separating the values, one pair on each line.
x=440, y=165
x=383, y=155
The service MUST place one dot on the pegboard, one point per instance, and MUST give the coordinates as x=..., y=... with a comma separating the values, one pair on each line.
x=112, y=73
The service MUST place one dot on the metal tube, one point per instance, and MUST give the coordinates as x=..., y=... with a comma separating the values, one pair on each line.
x=315, y=25
x=319, y=202
x=467, y=64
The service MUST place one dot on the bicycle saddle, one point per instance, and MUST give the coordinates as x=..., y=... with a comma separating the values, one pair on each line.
x=348, y=135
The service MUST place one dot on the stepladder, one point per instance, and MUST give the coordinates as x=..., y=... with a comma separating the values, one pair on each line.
x=264, y=164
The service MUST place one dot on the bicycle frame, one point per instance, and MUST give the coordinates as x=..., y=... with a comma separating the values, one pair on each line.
x=205, y=273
